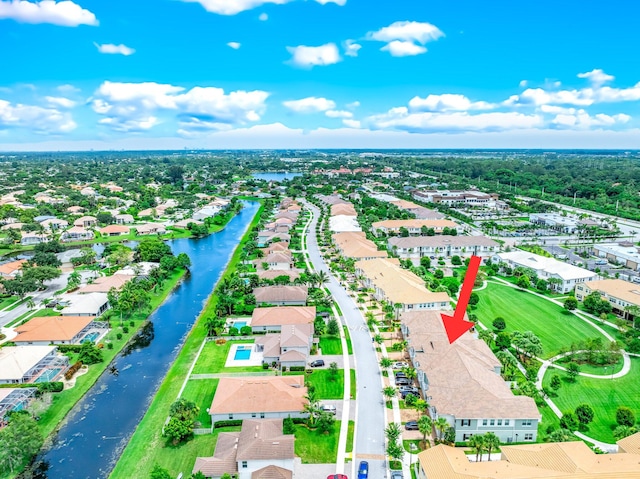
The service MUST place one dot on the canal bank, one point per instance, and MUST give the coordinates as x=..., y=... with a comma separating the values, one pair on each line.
x=100, y=425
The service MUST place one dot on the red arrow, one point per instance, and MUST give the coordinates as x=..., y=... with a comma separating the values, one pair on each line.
x=456, y=325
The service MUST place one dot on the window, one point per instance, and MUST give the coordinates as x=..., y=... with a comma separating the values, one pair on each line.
x=253, y=414
x=499, y=422
x=526, y=422
x=230, y=416
x=244, y=464
x=261, y=415
x=484, y=422
x=528, y=437
x=465, y=422
x=492, y=422
x=506, y=422
x=465, y=437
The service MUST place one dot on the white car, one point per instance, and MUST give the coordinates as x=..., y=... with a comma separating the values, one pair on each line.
x=400, y=365
x=331, y=409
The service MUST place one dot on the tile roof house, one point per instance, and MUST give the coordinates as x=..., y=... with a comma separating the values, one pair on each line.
x=103, y=284
x=86, y=221
x=343, y=209
x=123, y=219
x=25, y=364
x=77, y=233
x=416, y=247
x=620, y=294
x=151, y=229
x=259, y=451
x=265, y=237
x=281, y=295
x=114, y=230
x=43, y=331
x=356, y=245
x=89, y=304
x=462, y=382
x=392, y=283
x=290, y=347
x=258, y=397
x=414, y=226
x=559, y=460
x=54, y=224
x=33, y=238
x=278, y=261
x=272, y=319
x=293, y=273
x=11, y=269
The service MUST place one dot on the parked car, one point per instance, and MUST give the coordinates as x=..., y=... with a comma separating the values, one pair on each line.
x=405, y=394
x=411, y=426
x=317, y=363
x=396, y=475
x=400, y=365
x=330, y=408
x=409, y=389
x=363, y=470
x=337, y=476
x=403, y=382
x=400, y=374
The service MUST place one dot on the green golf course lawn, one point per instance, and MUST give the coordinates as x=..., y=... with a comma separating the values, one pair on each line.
x=523, y=311
x=603, y=395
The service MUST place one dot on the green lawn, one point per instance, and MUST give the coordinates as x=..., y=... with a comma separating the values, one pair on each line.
x=34, y=314
x=213, y=357
x=8, y=301
x=353, y=383
x=603, y=395
x=330, y=344
x=316, y=448
x=350, y=431
x=523, y=311
x=146, y=446
x=348, y=338
x=325, y=387
x=592, y=369
x=201, y=392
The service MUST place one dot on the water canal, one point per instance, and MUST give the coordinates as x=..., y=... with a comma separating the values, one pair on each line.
x=98, y=428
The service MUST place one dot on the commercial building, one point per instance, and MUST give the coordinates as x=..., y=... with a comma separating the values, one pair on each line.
x=462, y=383
x=398, y=286
x=546, y=268
x=416, y=247
x=457, y=197
x=555, y=221
x=624, y=253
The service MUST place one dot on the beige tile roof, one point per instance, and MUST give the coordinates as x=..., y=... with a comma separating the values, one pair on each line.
x=344, y=209
x=52, y=328
x=462, y=377
x=262, y=440
x=270, y=344
x=354, y=244
x=259, y=394
x=15, y=361
x=272, y=472
x=275, y=294
x=411, y=223
x=441, y=241
x=292, y=355
x=111, y=229
x=280, y=257
x=624, y=290
x=405, y=205
x=293, y=273
x=103, y=284
x=224, y=457
x=566, y=460
x=399, y=285
x=277, y=247
x=281, y=315
x=630, y=444
x=80, y=221
x=296, y=335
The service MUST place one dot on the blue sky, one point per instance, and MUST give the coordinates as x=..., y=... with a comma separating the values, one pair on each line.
x=318, y=74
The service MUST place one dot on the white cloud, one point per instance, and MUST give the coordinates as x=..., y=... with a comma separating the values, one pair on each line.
x=308, y=57
x=57, y=101
x=263, y=17
x=67, y=89
x=399, y=48
x=134, y=106
x=234, y=45
x=35, y=118
x=582, y=120
x=111, y=49
x=310, y=104
x=447, y=102
x=351, y=123
x=233, y=7
x=65, y=13
x=338, y=114
x=523, y=83
x=353, y=105
x=351, y=48
x=597, y=77
x=337, y=2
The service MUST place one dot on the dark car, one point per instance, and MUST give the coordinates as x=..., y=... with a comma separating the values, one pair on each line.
x=400, y=374
x=363, y=470
x=406, y=394
x=411, y=426
x=317, y=363
x=410, y=389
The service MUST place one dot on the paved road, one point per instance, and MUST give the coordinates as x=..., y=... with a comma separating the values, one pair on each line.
x=369, y=439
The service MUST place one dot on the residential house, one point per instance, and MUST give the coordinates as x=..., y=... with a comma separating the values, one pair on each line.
x=399, y=286
x=77, y=233
x=620, y=294
x=567, y=276
x=86, y=222
x=462, y=383
x=123, y=219
x=141, y=269
x=263, y=397
x=416, y=247
x=89, y=304
x=549, y=460
x=290, y=347
x=114, y=230
x=104, y=284
x=276, y=261
x=266, y=237
x=259, y=451
x=25, y=364
x=332, y=199
x=343, y=209
x=281, y=295
x=10, y=270
x=414, y=226
x=74, y=210
x=15, y=399
x=54, y=224
x=46, y=330
x=151, y=229
x=355, y=245
x=272, y=274
x=344, y=223
x=29, y=239
x=274, y=318
x=184, y=224
x=149, y=212
x=206, y=212
x=624, y=253
x=13, y=226
x=277, y=247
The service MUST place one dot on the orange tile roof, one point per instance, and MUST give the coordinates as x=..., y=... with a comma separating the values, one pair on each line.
x=281, y=315
x=52, y=328
x=10, y=268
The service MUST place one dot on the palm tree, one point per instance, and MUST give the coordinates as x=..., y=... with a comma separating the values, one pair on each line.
x=411, y=373
x=392, y=432
x=389, y=392
x=491, y=442
x=385, y=363
x=322, y=278
x=441, y=426
x=476, y=442
x=508, y=361
x=424, y=426
x=486, y=336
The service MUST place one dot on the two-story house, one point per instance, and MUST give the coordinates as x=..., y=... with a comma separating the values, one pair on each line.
x=416, y=247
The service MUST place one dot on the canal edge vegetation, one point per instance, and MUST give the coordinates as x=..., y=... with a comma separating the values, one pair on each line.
x=146, y=445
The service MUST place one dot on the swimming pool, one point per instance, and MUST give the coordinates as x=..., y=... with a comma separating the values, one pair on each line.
x=48, y=375
x=243, y=353
x=91, y=337
x=239, y=324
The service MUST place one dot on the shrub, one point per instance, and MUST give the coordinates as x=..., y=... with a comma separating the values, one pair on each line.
x=499, y=324
x=233, y=331
x=125, y=329
x=52, y=387
x=220, y=341
x=265, y=365
x=245, y=330
x=228, y=423
x=132, y=324
x=297, y=368
x=119, y=336
x=625, y=416
x=109, y=345
x=72, y=370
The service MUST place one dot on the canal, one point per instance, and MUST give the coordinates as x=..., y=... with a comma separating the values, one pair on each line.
x=98, y=428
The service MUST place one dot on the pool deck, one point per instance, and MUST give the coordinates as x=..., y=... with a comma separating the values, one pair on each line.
x=254, y=360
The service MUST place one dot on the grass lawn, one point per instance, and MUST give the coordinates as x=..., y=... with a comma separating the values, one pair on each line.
x=353, y=383
x=350, y=430
x=326, y=388
x=33, y=314
x=201, y=392
x=604, y=396
x=549, y=419
x=330, y=344
x=592, y=369
x=146, y=446
x=348, y=338
x=523, y=311
x=316, y=448
x=7, y=301
x=214, y=356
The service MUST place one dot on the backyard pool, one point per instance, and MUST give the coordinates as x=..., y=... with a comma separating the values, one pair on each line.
x=91, y=337
x=243, y=352
x=239, y=324
x=48, y=375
